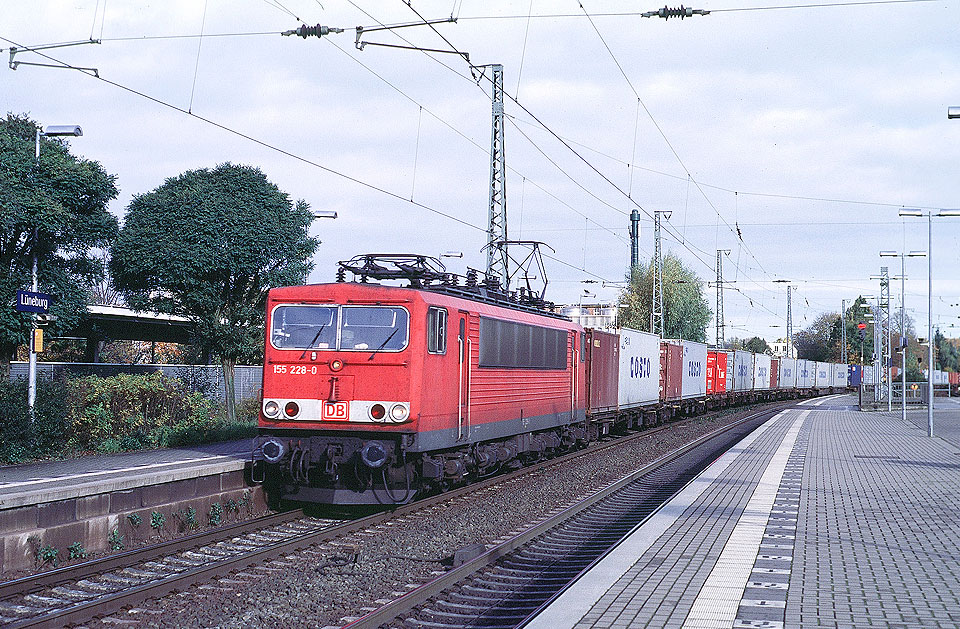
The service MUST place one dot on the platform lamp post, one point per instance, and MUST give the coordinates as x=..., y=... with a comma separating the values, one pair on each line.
x=929, y=214
x=52, y=131
x=903, y=320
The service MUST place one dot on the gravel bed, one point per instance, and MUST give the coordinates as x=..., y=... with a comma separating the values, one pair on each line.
x=323, y=585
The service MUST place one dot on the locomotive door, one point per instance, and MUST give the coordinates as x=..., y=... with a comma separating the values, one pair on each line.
x=465, y=349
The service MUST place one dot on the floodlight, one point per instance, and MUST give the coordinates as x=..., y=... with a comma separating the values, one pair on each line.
x=62, y=130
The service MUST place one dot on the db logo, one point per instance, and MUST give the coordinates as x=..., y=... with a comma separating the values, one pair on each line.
x=336, y=410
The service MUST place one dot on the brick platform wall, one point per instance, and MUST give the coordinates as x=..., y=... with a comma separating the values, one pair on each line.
x=91, y=520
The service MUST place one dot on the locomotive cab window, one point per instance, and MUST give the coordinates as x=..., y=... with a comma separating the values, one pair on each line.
x=437, y=331
x=304, y=327
x=374, y=328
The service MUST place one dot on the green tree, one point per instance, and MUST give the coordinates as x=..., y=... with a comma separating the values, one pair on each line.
x=685, y=310
x=56, y=209
x=816, y=342
x=946, y=352
x=757, y=345
x=208, y=245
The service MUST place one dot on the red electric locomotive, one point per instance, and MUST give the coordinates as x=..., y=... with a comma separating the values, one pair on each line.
x=372, y=393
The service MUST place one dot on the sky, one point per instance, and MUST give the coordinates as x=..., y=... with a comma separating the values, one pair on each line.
x=788, y=134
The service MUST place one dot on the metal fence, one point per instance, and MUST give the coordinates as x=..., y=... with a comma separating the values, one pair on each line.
x=870, y=398
x=248, y=379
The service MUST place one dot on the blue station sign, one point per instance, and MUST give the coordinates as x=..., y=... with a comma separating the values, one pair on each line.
x=28, y=301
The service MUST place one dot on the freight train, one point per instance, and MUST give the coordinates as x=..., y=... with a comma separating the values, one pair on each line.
x=374, y=394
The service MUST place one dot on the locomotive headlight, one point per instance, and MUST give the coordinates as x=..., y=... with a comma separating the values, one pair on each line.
x=377, y=412
x=399, y=412
x=291, y=409
x=271, y=408
x=336, y=364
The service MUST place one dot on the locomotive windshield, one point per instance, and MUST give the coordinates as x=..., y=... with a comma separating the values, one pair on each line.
x=346, y=328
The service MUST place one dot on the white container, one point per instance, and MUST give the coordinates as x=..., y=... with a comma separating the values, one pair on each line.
x=742, y=370
x=840, y=375
x=805, y=373
x=788, y=373
x=761, y=372
x=639, y=377
x=822, y=375
x=869, y=377
x=694, y=381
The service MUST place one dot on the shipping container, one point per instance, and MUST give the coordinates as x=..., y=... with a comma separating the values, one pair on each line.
x=603, y=365
x=774, y=372
x=805, y=373
x=840, y=375
x=855, y=373
x=954, y=377
x=821, y=378
x=869, y=377
x=743, y=370
x=731, y=371
x=694, y=383
x=788, y=373
x=639, y=368
x=671, y=370
x=761, y=372
x=717, y=371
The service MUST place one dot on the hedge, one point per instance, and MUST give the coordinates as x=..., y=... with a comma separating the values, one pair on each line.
x=77, y=416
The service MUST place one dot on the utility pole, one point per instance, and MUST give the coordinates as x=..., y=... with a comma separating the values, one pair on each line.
x=656, y=312
x=843, y=330
x=789, y=324
x=497, y=217
x=721, y=333
x=887, y=350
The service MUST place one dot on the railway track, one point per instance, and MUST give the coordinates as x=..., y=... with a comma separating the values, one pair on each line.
x=508, y=584
x=99, y=588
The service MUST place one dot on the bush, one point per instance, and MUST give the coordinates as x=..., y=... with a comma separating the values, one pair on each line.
x=126, y=412
x=23, y=440
x=106, y=415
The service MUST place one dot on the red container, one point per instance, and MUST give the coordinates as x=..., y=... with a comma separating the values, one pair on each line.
x=954, y=377
x=774, y=372
x=603, y=362
x=671, y=370
x=716, y=372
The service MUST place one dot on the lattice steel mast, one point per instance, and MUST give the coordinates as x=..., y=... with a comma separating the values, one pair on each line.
x=497, y=255
x=657, y=325
x=721, y=332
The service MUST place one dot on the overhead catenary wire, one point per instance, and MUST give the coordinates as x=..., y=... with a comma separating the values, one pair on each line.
x=615, y=14
x=290, y=154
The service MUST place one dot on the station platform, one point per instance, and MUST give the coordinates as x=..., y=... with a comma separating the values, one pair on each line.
x=51, y=481
x=825, y=516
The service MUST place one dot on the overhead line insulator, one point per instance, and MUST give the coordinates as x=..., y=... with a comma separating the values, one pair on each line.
x=313, y=31
x=680, y=12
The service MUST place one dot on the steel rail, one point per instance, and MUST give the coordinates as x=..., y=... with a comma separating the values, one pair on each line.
x=52, y=578
x=406, y=603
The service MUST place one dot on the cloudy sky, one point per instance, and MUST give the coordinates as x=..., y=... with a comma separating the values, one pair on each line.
x=789, y=135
